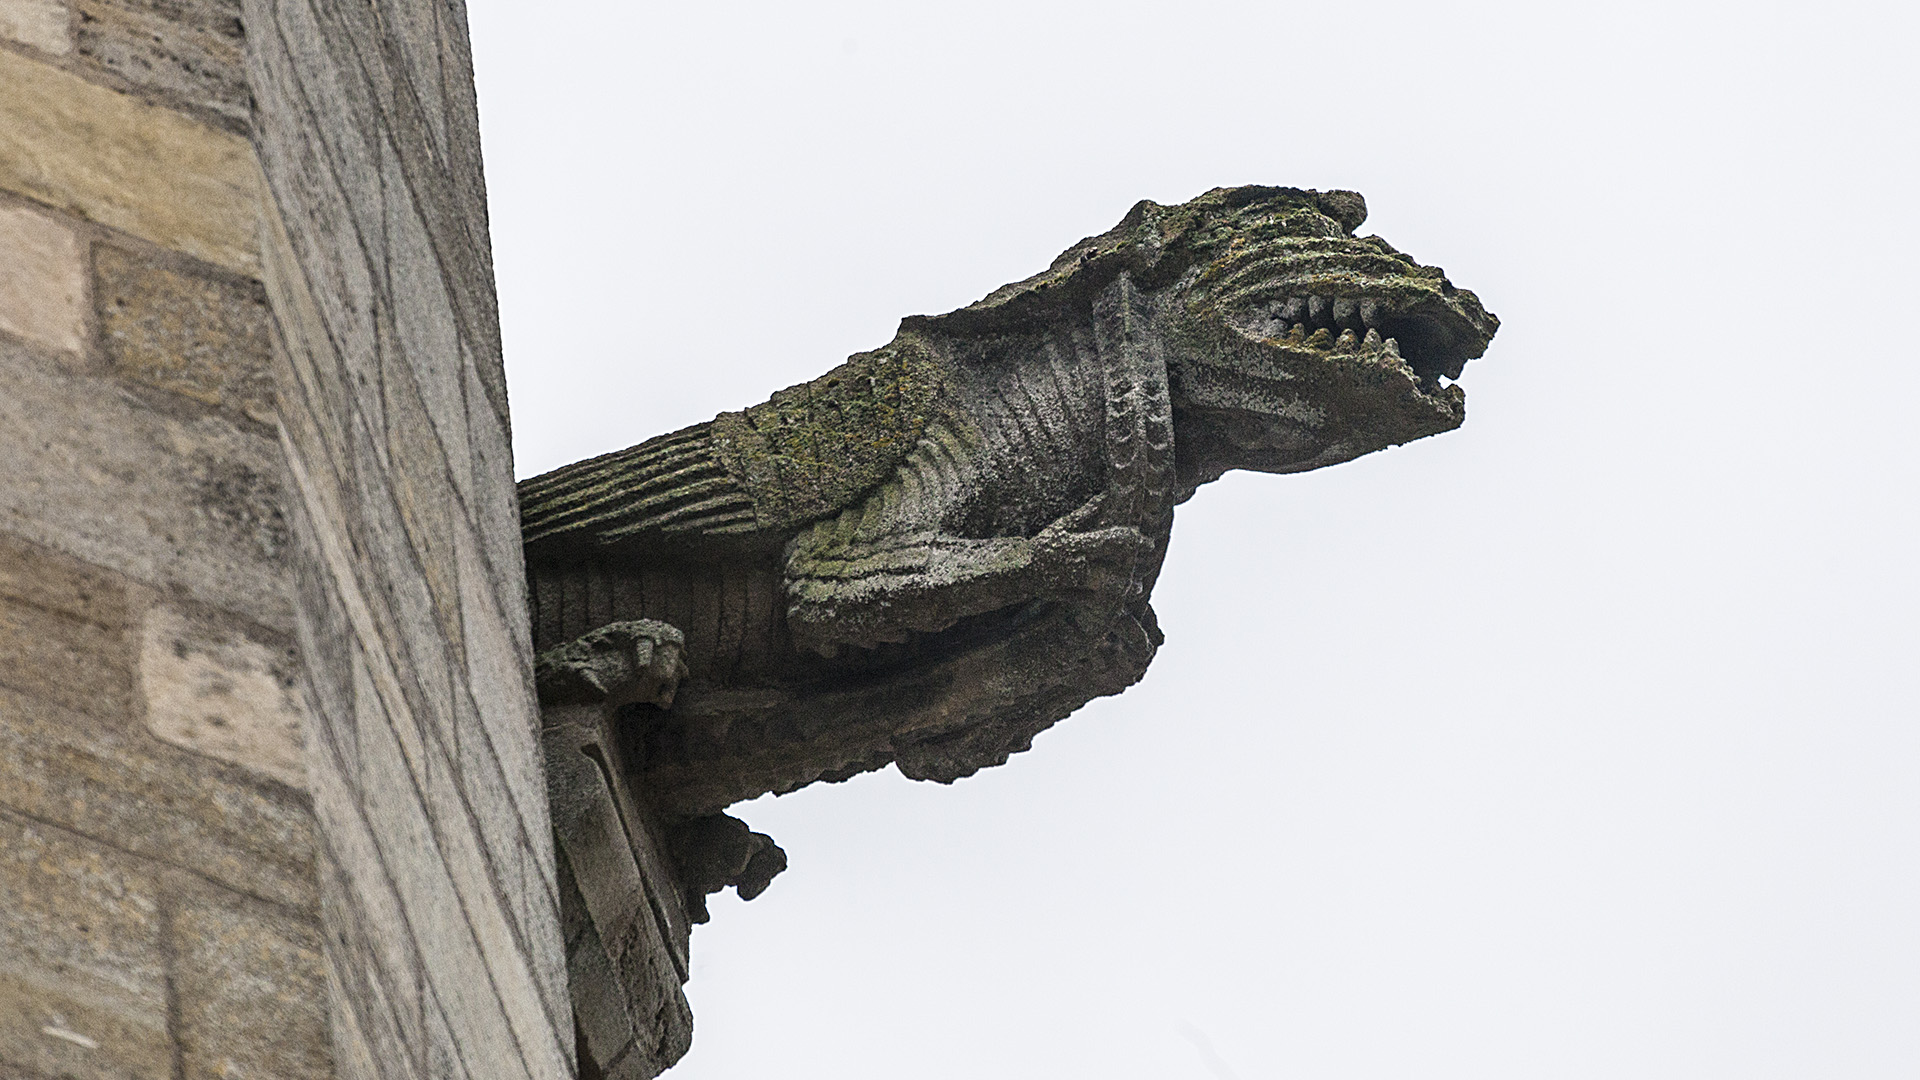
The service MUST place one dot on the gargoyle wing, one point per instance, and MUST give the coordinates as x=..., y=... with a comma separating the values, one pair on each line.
x=671, y=484
x=809, y=452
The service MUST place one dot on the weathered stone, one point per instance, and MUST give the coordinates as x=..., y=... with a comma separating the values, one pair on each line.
x=247, y=979
x=942, y=547
x=186, y=53
x=521, y=862
x=536, y=1019
x=427, y=336
x=396, y=846
x=422, y=493
x=383, y=969
x=621, y=900
x=61, y=583
x=71, y=662
x=155, y=800
x=43, y=288
x=502, y=689
x=176, y=498
x=41, y=24
x=63, y=631
x=938, y=549
x=83, y=961
x=213, y=688
x=356, y=1055
x=495, y=508
x=111, y=158
x=204, y=335
x=427, y=774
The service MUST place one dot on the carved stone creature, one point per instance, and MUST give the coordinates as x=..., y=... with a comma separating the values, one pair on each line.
x=938, y=549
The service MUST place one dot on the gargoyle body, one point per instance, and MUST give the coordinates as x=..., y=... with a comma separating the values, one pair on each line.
x=940, y=548
x=936, y=550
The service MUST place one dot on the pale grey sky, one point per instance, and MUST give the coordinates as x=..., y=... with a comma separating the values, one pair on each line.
x=1583, y=742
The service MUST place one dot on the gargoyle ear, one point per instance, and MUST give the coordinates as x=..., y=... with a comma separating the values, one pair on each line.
x=1349, y=208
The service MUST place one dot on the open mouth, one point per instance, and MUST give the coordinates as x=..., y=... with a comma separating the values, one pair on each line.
x=1345, y=324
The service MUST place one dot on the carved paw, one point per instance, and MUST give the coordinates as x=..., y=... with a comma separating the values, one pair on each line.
x=619, y=664
x=1100, y=561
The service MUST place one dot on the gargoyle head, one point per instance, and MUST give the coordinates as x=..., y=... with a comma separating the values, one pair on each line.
x=1290, y=343
x=1293, y=344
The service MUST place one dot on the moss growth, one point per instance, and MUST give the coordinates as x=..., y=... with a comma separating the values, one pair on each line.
x=813, y=449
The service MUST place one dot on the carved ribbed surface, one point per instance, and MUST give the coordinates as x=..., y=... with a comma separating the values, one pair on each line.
x=1139, y=424
x=731, y=612
x=1042, y=411
x=669, y=484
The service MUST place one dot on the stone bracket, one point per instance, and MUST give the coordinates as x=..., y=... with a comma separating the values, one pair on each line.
x=623, y=910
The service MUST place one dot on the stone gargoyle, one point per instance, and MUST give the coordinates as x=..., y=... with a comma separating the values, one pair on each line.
x=940, y=548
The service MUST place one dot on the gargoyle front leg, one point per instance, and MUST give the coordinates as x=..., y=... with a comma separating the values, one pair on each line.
x=848, y=587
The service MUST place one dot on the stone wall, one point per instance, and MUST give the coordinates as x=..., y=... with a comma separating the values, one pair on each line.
x=270, y=796
x=159, y=903
x=437, y=863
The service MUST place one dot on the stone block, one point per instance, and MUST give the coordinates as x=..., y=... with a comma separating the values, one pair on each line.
x=62, y=630
x=500, y=677
x=187, y=53
x=83, y=961
x=43, y=288
x=374, y=976
x=323, y=265
x=177, y=498
x=165, y=804
x=480, y=1001
x=69, y=662
x=519, y=866
x=535, y=1012
x=426, y=331
x=204, y=335
x=49, y=579
x=354, y=1055
x=251, y=987
x=444, y=1055
x=495, y=509
x=310, y=386
x=366, y=1045
x=39, y=23
x=214, y=688
x=419, y=480
x=111, y=158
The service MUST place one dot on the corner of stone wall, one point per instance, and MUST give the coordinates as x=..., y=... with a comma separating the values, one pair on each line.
x=437, y=874
x=271, y=799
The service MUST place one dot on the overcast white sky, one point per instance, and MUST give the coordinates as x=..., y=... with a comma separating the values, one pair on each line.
x=1583, y=742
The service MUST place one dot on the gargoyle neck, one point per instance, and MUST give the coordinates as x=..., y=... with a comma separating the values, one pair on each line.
x=1139, y=410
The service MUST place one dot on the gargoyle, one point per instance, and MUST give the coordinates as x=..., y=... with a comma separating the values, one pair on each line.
x=941, y=547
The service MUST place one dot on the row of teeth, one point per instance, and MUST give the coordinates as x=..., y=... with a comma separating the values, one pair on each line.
x=1346, y=342
x=1328, y=311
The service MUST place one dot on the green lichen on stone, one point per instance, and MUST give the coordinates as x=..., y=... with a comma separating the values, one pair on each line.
x=813, y=449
